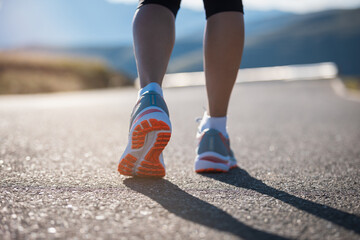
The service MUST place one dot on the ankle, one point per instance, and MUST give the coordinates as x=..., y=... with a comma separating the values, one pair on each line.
x=217, y=123
x=153, y=86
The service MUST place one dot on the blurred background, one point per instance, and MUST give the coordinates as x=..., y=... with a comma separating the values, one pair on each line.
x=57, y=45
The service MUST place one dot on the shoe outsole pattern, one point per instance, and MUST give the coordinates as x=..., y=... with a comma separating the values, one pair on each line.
x=150, y=166
x=211, y=170
x=214, y=170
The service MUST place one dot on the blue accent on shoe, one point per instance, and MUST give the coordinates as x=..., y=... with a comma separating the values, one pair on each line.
x=211, y=142
x=146, y=100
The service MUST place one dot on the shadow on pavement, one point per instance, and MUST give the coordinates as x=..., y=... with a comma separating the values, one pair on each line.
x=240, y=178
x=188, y=207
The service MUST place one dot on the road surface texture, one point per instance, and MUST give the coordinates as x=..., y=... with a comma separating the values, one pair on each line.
x=297, y=145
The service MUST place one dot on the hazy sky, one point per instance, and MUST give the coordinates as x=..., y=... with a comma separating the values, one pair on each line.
x=285, y=5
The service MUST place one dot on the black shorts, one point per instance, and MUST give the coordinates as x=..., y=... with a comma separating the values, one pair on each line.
x=211, y=6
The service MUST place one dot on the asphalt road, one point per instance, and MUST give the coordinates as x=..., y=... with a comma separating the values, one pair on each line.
x=297, y=143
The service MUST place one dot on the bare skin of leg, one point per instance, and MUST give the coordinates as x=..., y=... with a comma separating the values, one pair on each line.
x=154, y=37
x=223, y=47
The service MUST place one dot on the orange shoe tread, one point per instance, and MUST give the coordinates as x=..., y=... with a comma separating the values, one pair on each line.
x=150, y=166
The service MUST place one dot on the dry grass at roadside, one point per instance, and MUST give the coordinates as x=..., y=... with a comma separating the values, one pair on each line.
x=352, y=83
x=39, y=73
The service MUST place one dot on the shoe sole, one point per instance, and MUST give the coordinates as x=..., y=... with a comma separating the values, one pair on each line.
x=142, y=157
x=210, y=163
x=211, y=170
x=214, y=170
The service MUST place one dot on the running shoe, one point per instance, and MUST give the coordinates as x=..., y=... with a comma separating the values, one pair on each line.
x=150, y=131
x=213, y=152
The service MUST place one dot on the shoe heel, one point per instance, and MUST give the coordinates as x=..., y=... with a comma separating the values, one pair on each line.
x=211, y=164
x=150, y=165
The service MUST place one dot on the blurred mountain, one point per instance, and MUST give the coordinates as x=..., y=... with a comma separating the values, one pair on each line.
x=97, y=28
x=318, y=37
x=285, y=39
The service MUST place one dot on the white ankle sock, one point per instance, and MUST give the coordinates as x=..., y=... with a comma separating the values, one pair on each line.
x=155, y=87
x=218, y=123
